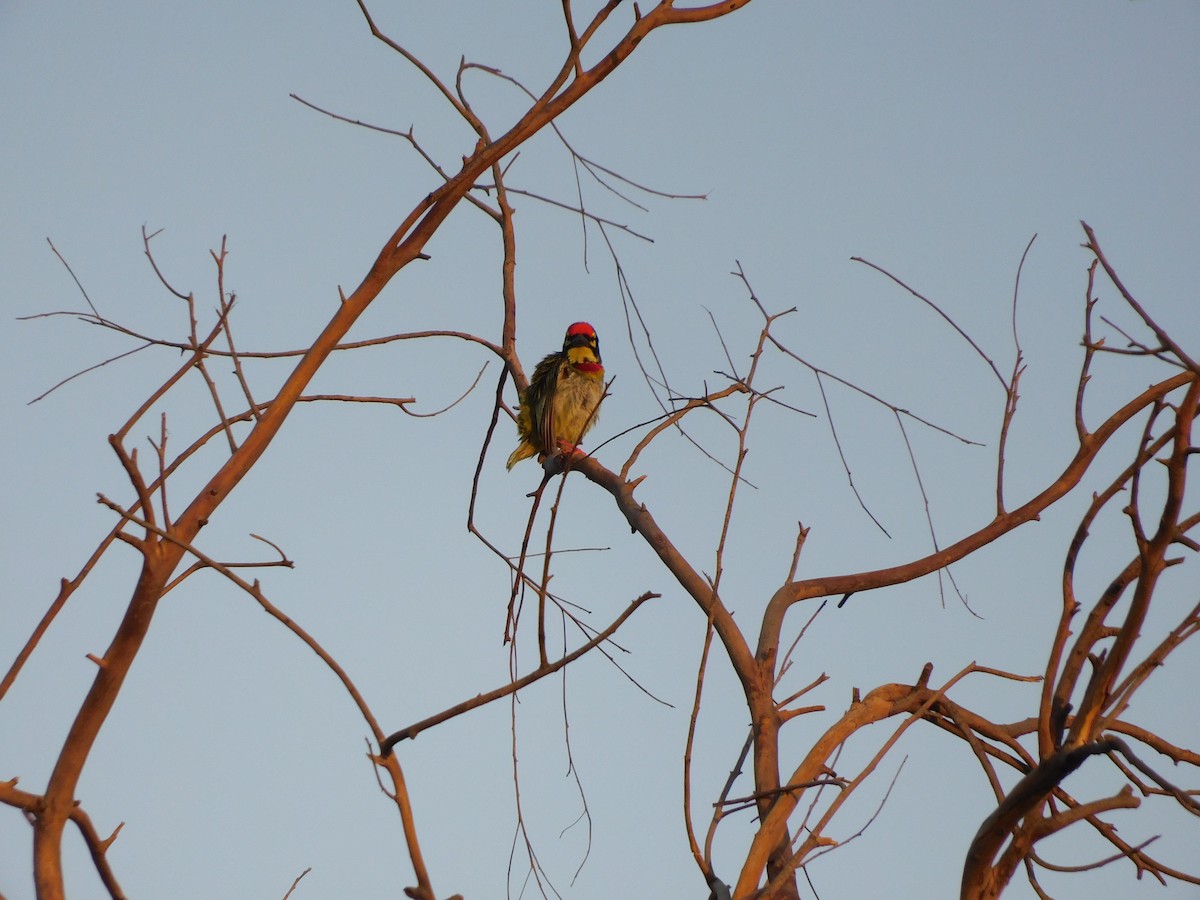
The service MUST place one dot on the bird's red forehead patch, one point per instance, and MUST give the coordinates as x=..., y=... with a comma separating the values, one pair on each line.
x=580, y=328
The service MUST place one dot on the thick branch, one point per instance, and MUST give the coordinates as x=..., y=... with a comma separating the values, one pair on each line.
x=979, y=877
x=697, y=586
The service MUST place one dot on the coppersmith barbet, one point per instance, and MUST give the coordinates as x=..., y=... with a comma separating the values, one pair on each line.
x=560, y=404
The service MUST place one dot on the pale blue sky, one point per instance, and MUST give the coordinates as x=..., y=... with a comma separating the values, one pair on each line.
x=932, y=138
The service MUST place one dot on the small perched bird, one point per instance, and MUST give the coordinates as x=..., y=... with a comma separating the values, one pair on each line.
x=560, y=404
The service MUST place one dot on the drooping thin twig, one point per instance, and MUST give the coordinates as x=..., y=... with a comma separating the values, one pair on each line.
x=912, y=458
x=937, y=309
x=842, y=455
x=99, y=365
x=75, y=278
x=585, y=814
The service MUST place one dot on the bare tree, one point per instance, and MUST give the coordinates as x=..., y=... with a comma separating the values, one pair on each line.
x=1078, y=707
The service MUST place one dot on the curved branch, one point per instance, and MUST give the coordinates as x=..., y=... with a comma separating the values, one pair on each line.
x=1090, y=446
x=642, y=522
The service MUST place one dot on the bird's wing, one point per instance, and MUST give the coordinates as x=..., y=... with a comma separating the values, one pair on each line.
x=541, y=400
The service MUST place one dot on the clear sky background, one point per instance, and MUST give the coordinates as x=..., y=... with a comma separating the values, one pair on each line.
x=934, y=139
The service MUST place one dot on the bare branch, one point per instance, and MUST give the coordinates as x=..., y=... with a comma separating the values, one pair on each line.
x=537, y=674
x=1159, y=332
x=937, y=309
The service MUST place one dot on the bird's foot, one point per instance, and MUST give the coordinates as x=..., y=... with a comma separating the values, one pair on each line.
x=564, y=453
x=570, y=449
